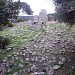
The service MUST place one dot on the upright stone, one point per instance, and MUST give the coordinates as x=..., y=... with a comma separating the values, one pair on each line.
x=44, y=11
x=43, y=16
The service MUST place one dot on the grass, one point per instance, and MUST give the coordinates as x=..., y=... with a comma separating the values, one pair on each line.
x=19, y=38
x=72, y=72
x=5, y=32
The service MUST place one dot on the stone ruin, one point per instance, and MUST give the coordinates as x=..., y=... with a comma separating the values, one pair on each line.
x=40, y=20
x=43, y=16
x=36, y=18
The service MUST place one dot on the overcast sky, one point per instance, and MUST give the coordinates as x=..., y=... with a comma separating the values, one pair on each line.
x=37, y=5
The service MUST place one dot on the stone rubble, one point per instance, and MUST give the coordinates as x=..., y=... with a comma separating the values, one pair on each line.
x=41, y=56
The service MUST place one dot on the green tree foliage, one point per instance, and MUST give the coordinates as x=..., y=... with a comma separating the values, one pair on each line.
x=65, y=11
x=72, y=71
x=26, y=8
x=4, y=42
x=8, y=9
x=52, y=16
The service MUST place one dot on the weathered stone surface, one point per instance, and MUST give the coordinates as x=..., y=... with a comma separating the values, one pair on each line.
x=43, y=16
x=8, y=49
x=20, y=65
x=56, y=67
x=33, y=68
x=51, y=72
x=60, y=63
x=15, y=73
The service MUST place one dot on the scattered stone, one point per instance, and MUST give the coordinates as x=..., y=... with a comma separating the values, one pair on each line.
x=41, y=73
x=51, y=72
x=33, y=68
x=45, y=48
x=22, y=61
x=17, y=53
x=11, y=47
x=4, y=60
x=9, y=70
x=60, y=63
x=36, y=59
x=36, y=73
x=43, y=58
x=15, y=73
x=56, y=67
x=8, y=49
x=27, y=59
x=9, y=55
x=32, y=74
x=20, y=65
x=63, y=60
x=28, y=70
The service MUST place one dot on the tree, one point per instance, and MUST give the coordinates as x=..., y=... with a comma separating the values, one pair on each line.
x=26, y=8
x=65, y=11
x=8, y=9
x=52, y=16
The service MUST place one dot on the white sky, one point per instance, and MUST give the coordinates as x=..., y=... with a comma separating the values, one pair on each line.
x=37, y=5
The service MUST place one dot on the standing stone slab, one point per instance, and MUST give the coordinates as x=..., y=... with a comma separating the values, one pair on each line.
x=43, y=16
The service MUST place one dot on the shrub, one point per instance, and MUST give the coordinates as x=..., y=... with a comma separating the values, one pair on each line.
x=21, y=20
x=4, y=42
x=72, y=71
x=1, y=28
x=10, y=25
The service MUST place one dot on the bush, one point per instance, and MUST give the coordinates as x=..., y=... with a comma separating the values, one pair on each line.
x=10, y=25
x=4, y=42
x=72, y=71
x=21, y=20
x=7, y=24
x=1, y=28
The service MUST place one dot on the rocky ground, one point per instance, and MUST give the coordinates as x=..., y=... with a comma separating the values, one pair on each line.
x=46, y=54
